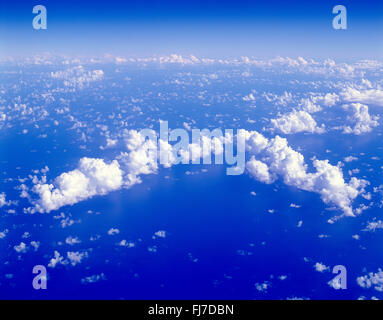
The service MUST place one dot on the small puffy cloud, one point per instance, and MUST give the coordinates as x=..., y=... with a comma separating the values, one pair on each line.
x=35, y=245
x=124, y=243
x=263, y=287
x=76, y=257
x=320, y=267
x=21, y=248
x=296, y=121
x=57, y=259
x=3, y=201
x=360, y=119
x=300, y=223
x=160, y=234
x=350, y=159
x=249, y=97
x=72, y=240
x=93, y=278
x=3, y=234
x=374, y=225
x=372, y=280
x=72, y=258
x=113, y=231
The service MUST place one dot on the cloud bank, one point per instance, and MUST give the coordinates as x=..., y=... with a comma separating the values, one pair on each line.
x=269, y=160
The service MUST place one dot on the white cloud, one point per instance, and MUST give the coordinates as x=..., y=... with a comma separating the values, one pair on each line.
x=92, y=177
x=95, y=177
x=350, y=159
x=320, y=267
x=93, y=278
x=77, y=76
x=35, y=245
x=374, y=225
x=309, y=106
x=21, y=248
x=141, y=158
x=270, y=159
x=330, y=99
x=3, y=201
x=124, y=243
x=368, y=96
x=374, y=280
x=57, y=259
x=249, y=97
x=76, y=257
x=72, y=258
x=72, y=240
x=160, y=234
x=282, y=100
x=259, y=171
x=263, y=287
x=360, y=118
x=335, y=283
x=288, y=164
x=113, y=231
x=3, y=234
x=297, y=121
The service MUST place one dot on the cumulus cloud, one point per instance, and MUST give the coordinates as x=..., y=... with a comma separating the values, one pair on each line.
x=72, y=240
x=309, y=106
x=350, y=159
x=259, y=171
x=372, y=280
x=113, y=231
x=21, y=248
x=297, y=121
x=360, y=119
x=289, y=165
x=93, y=278
x=3, y=234
x=96, y=177
x=282, y=100
x=374, y=225
x=320, y=267
x=77, y=76
x=368, y=96
x=72, y=258
x=92, y=177
x=3, y=201
x=329, y=99
x=269, y=160
x=249, y=97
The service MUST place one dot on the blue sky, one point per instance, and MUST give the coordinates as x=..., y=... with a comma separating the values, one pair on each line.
x=213, y=28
